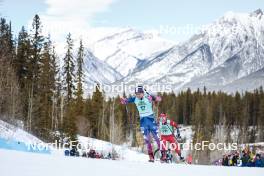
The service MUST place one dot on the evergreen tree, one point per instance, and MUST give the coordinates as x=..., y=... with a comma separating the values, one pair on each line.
x=57, y=91
x=21, y=62
x=9, y=88
x=79, y=92
x=69, y=118
x=37, y=40
x=33, y=87
x=47, y=86
x=96, y=119
x=7, y=45
x=68, y=70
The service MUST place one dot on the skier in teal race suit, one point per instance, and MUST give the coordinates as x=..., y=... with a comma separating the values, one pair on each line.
x=148, y=125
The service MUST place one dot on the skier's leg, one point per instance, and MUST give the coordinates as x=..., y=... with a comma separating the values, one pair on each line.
x=147, y=139
x=163, y=148
x=163, y=143
x=155, y=132
x=146, y=135
x=175, y=145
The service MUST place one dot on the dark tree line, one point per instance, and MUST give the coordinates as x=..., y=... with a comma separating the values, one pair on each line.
x=207, y=110
x=218, y=117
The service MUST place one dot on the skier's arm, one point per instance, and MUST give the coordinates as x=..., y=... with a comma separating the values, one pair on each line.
x=174, y=124
x=131, y=99
x=127, y=100
x=154, y=98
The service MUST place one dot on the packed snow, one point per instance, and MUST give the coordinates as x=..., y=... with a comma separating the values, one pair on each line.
x=29, y=164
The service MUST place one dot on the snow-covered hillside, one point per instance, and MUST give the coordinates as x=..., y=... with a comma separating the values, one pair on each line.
x=27, y=164
x=10, y=132
x=12, y=137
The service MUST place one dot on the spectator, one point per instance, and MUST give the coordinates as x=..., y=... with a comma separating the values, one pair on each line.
x=251, y=162
x=245, y=158
x=230, y=162
x=235, y=159
x=97, y=155
x=92, y=154
x=109, y=156
x=258, y=161
x=84, y=154
x=73, y=151
x=67, y=152
x=225, y=160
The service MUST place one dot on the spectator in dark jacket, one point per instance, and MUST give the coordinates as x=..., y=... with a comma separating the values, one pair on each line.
x=92, y=154
x=225, y=160
x=235, y=159
x=67, y=152
x=109, y=156
x=245, y=158
x=258, y=161
x=73, y=152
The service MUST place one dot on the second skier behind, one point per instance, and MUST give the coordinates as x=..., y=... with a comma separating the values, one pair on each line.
x=166, y=127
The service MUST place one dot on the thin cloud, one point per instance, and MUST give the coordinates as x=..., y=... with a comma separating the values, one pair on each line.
x=75, y=16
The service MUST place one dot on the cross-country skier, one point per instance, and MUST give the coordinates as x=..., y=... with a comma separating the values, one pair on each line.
x=148, y=125
x=166, y=127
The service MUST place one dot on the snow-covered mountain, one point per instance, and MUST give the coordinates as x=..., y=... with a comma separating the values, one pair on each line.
x=224, y=52
x=127, y=49
x=255, y=79
x=97, y=71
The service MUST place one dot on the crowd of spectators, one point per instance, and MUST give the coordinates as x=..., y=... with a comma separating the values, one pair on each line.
x=90, y=154
x=245, y=158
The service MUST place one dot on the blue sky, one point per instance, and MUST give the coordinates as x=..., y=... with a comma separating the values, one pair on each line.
x=140, y=14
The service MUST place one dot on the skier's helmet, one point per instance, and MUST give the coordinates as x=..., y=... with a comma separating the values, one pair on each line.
x=139, y=89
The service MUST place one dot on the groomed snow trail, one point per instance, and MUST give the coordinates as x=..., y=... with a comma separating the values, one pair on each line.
x=14, y=163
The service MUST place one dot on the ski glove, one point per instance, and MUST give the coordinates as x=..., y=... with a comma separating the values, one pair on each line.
x=164, y=123
x=179, y=136
x=123, y=101
x=178, y=133
x=158, y=98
